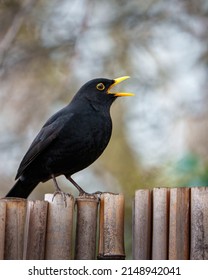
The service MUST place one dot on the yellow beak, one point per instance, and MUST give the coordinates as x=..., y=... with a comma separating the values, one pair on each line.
x=117, y=81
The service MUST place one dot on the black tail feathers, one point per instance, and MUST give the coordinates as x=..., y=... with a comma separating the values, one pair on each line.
x=21, y=189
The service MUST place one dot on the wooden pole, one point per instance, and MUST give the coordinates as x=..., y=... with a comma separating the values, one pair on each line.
x=111, y=235
x=199, y=223
x=2, y=227
x=14, y=230
x=179, y=224
x=86, y=228
x=160, y=224
x=59, y=227
x=142, y=225
x=35, y=230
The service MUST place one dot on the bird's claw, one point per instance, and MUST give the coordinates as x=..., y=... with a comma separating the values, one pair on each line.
x=90, y=195
x=63, y=194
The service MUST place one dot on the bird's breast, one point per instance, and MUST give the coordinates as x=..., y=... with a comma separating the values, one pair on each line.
x=80, y=143
x=95, y=132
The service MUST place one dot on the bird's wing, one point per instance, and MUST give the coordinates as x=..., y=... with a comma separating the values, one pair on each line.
x=45, y=137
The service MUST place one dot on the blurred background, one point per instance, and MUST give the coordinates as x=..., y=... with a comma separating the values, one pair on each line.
x=48, y=49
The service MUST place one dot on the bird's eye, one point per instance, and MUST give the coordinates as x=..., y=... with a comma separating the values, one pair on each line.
x=100, y=86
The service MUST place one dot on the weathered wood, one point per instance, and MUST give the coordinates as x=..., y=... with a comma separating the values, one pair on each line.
x=111, y=233
x=179, y=224
x=167, y=223
x=59, y=227
x=199, y=223
x=142, y=225
x=2, y=227
x=86, y=227
x=14, y=231
x=160, y=224
x=35, y=230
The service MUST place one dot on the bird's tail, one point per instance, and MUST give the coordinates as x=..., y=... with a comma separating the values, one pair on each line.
x=21, y=189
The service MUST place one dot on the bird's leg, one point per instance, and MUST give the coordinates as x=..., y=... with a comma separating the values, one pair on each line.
x=56, y=184
x=58, y=190
x=81, y=191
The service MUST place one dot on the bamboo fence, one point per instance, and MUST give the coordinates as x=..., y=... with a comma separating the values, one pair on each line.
x=41, y=230
x=170, y=223
x=167, y=223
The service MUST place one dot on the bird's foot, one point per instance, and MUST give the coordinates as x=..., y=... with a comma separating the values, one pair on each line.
x=83, y=193
x=88, y=195
x=59, y=191
x=63, y=194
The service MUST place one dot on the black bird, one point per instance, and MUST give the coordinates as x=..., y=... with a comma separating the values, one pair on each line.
x=71, y=139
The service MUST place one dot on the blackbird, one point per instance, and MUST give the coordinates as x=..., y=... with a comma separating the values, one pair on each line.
x=72, y=139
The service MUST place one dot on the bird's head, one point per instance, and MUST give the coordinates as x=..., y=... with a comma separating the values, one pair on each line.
x=101, y=91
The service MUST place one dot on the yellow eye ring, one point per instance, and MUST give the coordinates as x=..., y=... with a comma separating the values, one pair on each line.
x=100, y=86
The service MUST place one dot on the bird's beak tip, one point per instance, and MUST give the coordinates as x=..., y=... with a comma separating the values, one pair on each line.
x=118, y=81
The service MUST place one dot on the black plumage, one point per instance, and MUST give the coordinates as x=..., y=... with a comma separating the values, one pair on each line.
x=71, y=139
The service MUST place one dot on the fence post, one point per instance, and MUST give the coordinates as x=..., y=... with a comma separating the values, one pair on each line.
x=199, y=223
x=59, y=227
x=35, y=230
x=14, y=230
x=2, y=227
x=86, y=227
x=160, y=224
x=179, y=224
x=142, y=220
x=111, y=233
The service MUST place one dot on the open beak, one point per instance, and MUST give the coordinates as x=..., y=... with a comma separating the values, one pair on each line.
x=117, y=81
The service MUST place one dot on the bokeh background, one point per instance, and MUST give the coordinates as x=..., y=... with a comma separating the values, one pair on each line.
x=49, y=48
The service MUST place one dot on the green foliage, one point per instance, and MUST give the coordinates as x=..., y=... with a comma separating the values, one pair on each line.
x=190, y=170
